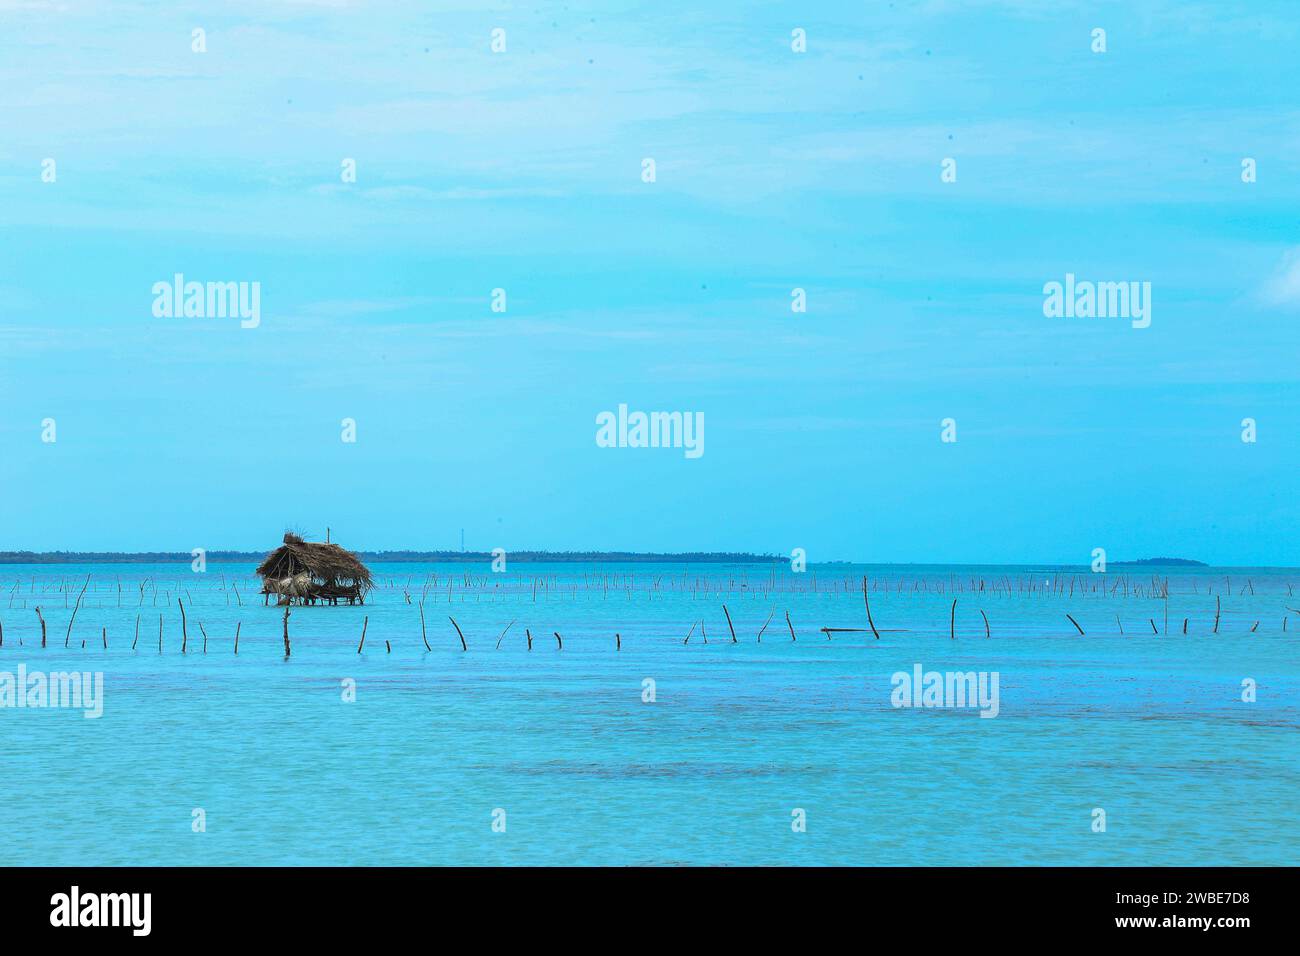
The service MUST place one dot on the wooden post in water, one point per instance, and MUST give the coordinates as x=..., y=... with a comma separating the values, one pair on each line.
x=68, y=636
x=1076, y=624
x=238, y=625
x=137, y=632
x=527, y=632
x=287, y=649
x=42, y=620
x=423, y=635
x=618, y=642
x=987, y=632
x=185, y=637
x=952, y=621
x=1218, y=606
x=729, y=627
x=104, y=635
x=74, y=610
x=791, y=626
x=205, y=637
x=463, y=645
x=559, y=642
x=866, y=600
x=363, y=634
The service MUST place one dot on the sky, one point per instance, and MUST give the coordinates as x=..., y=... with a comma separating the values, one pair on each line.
x=774, y=169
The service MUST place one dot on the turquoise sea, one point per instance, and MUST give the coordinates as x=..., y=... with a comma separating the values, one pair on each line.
x=1149, y=727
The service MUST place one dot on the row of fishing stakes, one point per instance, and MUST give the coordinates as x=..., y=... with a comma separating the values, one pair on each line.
x=497, y=587
x=618, y=638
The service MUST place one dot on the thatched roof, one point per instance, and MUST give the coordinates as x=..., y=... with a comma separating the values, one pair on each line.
x=327, y=563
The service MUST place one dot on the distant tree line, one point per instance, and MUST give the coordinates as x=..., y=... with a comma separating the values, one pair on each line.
x=167, y=557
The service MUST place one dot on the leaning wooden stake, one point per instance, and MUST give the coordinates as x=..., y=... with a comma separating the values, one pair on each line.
x=867, y=601
x=104, y=634
x=364, y=624
x=987, y=633
x=952, y=621
x=423, y=634
x=238, y=625
x=527, y=632
x=559, y=642
x=732, y=629
x=1218, y=606
x=1076, y=624
x=42, y=620
x=463, y=645
x=688, y=635
x=137, y=632
x=67, y=636
x=765, y=624
x=618, y=642
x=789, y=625
x=503, y=634
x=205, y=636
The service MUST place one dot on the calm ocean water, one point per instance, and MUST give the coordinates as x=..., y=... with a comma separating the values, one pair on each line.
x=1151, y=728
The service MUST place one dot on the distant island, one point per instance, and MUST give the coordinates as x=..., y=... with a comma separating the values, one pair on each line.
x=167, y=557
x=1167, y=562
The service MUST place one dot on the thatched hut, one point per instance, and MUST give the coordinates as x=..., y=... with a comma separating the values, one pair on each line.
x=307, y=571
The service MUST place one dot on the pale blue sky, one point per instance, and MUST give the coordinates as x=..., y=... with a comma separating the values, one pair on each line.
x=775, y=170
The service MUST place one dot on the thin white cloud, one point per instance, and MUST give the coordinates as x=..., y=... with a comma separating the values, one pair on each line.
x=1283, y=287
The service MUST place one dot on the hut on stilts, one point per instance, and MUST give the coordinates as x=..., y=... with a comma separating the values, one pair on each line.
x=307, y=572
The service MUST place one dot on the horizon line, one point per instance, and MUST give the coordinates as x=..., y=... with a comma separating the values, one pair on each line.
x=395, y=555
